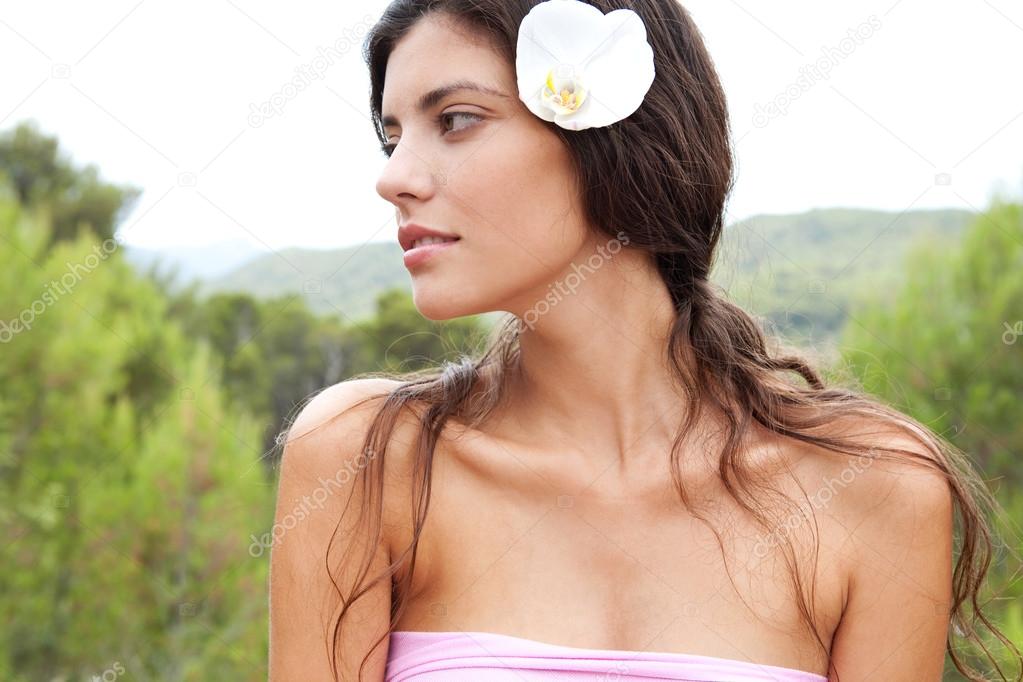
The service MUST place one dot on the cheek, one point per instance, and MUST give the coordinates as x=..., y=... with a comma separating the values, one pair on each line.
x=519, y=202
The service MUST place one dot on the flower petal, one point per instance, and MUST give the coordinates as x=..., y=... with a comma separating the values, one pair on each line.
x=565, y=31
x=611, y=51
x=576, y=121
x=554, y=32
x=621, y=74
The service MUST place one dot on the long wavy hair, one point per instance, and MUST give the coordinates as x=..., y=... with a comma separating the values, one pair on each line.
x=662, y=176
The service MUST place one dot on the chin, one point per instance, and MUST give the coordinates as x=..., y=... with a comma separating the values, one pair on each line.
x=441, y=302
x=437, y=306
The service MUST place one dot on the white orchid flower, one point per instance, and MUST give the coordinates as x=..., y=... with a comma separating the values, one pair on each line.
x=581, y=68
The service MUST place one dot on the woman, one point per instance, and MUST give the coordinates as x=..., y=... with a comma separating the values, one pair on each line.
x=627, y=483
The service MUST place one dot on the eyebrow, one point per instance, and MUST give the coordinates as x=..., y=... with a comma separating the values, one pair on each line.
x=433, y=97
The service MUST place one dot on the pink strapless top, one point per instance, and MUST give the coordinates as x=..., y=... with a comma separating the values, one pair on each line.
x=490, y=657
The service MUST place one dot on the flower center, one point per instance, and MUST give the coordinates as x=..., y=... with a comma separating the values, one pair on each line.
x=564, y=91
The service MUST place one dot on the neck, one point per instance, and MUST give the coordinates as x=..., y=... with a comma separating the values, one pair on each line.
x=593, y=377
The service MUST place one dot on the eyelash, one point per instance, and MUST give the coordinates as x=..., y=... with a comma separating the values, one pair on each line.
x=388, y=149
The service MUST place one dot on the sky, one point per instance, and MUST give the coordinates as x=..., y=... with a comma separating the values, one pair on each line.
x=892, y=105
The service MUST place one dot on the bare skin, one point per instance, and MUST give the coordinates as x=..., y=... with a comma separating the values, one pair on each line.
x=560, y=554
x=519, y=541
x=557, y=520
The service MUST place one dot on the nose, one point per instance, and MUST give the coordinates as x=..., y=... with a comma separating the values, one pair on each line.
x=407, y=177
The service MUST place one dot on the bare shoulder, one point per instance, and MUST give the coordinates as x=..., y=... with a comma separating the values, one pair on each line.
x=349, y=402
x=905, y=507
x=898, y=483
x=311, y=552
x=332, y=426
x=892, y=496
x=895, y=512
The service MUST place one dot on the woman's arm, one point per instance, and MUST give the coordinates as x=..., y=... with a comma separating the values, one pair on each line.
x=316, y=479
x=896, y=618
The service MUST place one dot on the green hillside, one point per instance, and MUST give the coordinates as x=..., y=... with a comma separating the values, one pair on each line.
x=801, y=272
x=342, y=281
x=805, y=273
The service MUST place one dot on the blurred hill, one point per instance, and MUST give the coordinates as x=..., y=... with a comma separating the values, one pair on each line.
x=342, y=281
x=805, y=273
x=190, y=263
x=802, y=272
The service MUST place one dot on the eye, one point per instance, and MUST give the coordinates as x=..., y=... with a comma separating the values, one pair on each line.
x=456, y=114
x=444, y=118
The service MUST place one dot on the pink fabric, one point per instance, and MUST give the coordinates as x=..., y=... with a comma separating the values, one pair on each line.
x=490, y=657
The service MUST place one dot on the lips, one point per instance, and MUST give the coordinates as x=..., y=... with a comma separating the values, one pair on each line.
x=413, y=258
x=430, y=241
x=409, y=234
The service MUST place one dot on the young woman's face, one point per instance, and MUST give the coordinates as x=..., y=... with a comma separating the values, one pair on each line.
x=478, y=165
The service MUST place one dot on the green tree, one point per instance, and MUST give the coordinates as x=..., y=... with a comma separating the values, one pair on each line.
x=276, y=353
x=948, y=349
x=129, y=486
x=43, y=178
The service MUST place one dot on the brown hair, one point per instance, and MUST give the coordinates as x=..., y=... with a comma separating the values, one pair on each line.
x=662, y=176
